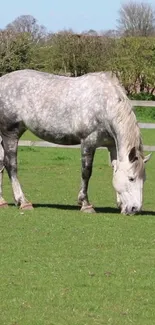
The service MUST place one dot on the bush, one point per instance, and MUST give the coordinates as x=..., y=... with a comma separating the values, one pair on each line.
x=142, y=96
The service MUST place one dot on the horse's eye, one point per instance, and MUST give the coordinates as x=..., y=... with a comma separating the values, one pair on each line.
x=131, y=179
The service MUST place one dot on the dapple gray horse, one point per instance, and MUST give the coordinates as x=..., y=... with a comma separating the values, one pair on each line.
x=92, y=110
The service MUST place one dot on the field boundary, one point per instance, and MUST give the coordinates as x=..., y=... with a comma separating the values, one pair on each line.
x=143, y=103
x=147, y=125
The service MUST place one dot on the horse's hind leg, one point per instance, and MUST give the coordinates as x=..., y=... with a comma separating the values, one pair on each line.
x=10, y=145
x=3, y=203
x=87, y=156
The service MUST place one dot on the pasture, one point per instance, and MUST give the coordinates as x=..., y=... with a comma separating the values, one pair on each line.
x=63, y=267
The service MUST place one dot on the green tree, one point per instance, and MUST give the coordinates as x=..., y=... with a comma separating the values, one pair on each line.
x=15, y=51
x=132, y=60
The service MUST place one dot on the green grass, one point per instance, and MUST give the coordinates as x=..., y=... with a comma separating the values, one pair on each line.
x=63, y=267
x=29, y=136
x=145, y=114
x=148, y=136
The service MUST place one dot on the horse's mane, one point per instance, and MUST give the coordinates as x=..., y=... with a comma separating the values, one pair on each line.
x=126, y=119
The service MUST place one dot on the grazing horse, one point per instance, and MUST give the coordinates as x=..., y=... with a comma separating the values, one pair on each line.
x=92, y=110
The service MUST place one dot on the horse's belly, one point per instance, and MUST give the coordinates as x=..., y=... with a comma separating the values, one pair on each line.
x=58, y=138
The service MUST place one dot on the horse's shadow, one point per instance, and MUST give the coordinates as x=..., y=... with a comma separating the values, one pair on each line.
x=74, y=207
x=77, y=208
x=68, y=207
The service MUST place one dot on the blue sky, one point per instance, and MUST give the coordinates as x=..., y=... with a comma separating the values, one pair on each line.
x=56, y=15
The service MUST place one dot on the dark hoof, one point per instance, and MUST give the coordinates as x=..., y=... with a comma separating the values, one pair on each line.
x=88, y=209
x=26, y=206
x=3, y=204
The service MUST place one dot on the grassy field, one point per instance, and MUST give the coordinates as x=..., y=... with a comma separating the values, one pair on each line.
x=63, y=267
x=145, y=114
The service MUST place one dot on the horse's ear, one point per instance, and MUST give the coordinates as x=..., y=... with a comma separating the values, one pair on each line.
x=147, y=158
x=132, y=155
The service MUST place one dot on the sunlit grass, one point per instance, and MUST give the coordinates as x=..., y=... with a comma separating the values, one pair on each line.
x=63, y=267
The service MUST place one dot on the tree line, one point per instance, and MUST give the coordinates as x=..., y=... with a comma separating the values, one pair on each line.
x=129, y=51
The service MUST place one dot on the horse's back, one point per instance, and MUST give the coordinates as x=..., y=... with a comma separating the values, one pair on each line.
x=54, y=106
x=36, y=88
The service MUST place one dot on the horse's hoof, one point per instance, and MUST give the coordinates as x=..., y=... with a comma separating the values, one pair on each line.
x=3, y=204
x=26, y=206
x=88, y=209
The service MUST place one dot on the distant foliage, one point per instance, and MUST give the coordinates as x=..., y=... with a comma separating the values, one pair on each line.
x=27, y=24
x=15, y=51
x=136, y=19
x=26, y=44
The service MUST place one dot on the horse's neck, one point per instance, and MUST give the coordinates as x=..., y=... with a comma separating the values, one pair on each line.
x=123, y=148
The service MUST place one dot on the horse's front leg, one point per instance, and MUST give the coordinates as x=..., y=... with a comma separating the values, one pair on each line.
x=87, y=155
x=113, y=156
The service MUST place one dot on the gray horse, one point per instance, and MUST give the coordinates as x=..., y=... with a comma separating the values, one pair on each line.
x=92, y=110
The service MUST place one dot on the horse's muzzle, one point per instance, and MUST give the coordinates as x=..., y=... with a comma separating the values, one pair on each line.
x=130, y=211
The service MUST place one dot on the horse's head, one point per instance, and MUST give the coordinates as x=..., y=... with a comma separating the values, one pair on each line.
x=128, y=180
